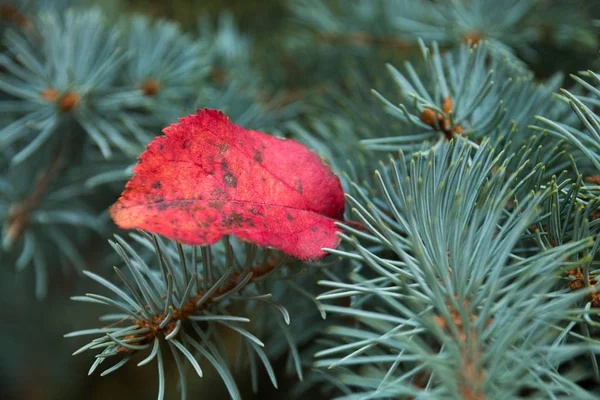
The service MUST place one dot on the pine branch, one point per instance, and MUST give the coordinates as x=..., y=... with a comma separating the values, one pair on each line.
x=83, y=58
x=587, y=140
x=184, y=303
x=470, y=95
x=44, y=217
x=19, y=213
x=450, y=305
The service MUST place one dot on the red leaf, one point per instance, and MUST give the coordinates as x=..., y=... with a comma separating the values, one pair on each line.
x=208, y=177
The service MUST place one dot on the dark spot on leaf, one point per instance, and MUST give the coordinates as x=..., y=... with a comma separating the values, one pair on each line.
x=313, y=228
x=289, y=216
x=161, y=147
x=206, y=223
x=299, y=186
x=224, y=165
x=156, y=185
x=186, y=144
x=257, y=156
x=234, y=220
x=218, y=194
x=230, y=180
x=217, y=205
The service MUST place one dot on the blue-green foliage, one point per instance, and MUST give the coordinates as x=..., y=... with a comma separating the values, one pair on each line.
x=490, y=96
x=450, y=310
x=61, y=79
x=587, y=137
x=185, y=299
x=470, y=251
x=44, y=218
x=503, y=164
x=166, y=65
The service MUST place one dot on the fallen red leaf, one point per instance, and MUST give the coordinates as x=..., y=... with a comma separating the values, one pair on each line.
x=208, y=177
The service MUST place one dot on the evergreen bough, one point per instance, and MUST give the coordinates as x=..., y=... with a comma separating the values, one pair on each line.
x=468, y=267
